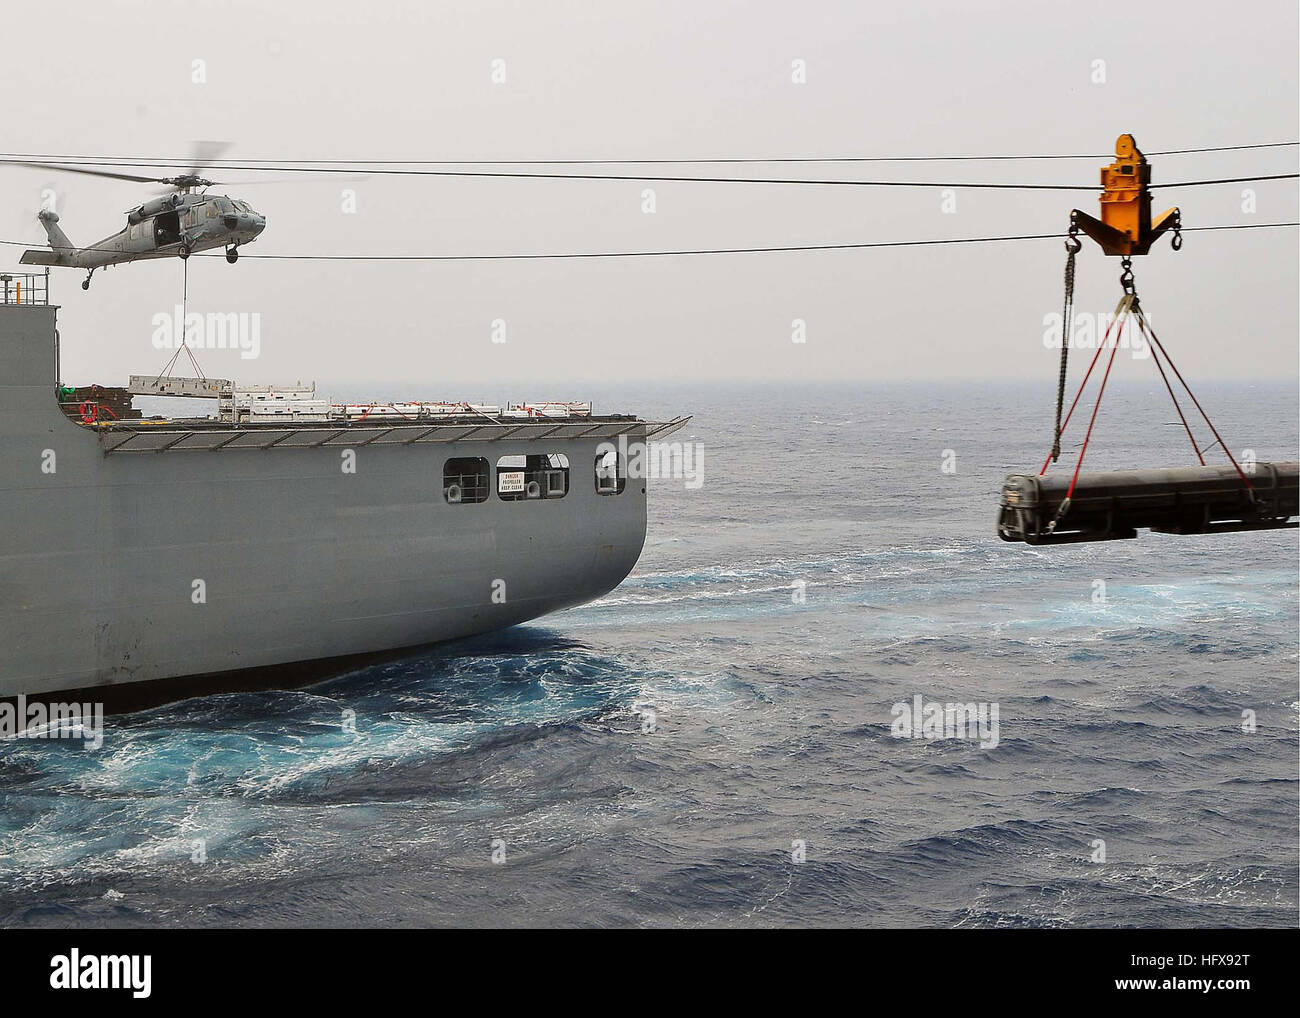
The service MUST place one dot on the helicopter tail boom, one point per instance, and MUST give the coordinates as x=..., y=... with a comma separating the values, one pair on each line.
x=61, y=248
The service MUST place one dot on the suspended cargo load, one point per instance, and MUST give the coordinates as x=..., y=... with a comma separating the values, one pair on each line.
x=1116, y=504
x=172, y=385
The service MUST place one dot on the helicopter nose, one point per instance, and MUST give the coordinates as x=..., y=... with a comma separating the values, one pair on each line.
x=251, y=223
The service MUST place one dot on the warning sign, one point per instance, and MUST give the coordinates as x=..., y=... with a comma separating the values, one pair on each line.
x=510, y=482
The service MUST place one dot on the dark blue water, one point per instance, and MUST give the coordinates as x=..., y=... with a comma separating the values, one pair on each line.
x=1120, y=719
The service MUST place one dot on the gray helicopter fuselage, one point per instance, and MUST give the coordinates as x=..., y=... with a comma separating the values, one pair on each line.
x=176, y=225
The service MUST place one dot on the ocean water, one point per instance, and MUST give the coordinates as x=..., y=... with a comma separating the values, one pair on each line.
x=1120, y=718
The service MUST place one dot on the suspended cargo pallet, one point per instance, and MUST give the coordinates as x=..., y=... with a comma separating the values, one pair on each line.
x=1116, y=504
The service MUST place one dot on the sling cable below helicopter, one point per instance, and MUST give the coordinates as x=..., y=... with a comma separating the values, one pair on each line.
x=1042, y=509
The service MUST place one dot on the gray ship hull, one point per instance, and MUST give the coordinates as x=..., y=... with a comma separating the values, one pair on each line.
x=118, y=568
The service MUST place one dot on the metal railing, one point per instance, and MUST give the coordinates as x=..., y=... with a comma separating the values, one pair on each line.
x=25, y=287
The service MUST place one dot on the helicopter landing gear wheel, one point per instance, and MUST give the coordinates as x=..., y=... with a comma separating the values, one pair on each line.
x=184, y=251
x=85, y=283
x=232, y=255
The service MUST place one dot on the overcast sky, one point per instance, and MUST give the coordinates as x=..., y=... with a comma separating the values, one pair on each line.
x=678, y=79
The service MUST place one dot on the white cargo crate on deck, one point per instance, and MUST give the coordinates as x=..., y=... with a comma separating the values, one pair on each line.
x=550, y=408
x=244, y=394
x=278, y=409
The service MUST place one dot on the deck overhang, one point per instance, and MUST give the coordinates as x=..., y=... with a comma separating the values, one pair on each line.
x=174, y=436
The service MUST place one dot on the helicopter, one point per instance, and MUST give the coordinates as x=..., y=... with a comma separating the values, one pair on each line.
x=177, y=223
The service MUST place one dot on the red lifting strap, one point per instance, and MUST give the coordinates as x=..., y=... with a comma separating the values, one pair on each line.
x=1127, y=306
x=1222, y=444
x=1097, y=406
x=1088, y=374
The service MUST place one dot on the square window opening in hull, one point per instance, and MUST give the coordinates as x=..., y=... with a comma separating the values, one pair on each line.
x=530, y=477
x=465, y=479
x=611, y=476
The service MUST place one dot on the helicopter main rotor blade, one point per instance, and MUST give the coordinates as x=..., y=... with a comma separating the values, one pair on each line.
x=203, y=153
x=88, y=173
x=290, y=179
